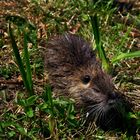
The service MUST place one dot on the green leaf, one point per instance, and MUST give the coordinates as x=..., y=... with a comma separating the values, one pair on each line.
x=21, y=129
x=20, y=21
x=27, y=62
x=19, y=60
x=27, y=102
x=43, y=106
x=50, y=100
x=31, y=100
x=99, y=46
x=5, y=124
x=11, y=133
x=125, y=55
x=22, y=102
x=29, y=112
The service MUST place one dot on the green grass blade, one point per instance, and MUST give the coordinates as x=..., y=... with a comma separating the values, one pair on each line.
x=99, y=47
x=123, y=40
x=18, y=59
x=52, y=121
x=95, y=27
x=50, y=100
x=28, y=67
x=125, y=55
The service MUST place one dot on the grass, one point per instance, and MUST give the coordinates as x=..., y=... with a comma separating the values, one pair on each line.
x=37, y=115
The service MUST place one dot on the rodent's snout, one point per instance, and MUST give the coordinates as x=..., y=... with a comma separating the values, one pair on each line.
x=112, y=98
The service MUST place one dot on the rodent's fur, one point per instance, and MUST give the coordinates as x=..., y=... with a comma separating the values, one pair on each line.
x=74, y=72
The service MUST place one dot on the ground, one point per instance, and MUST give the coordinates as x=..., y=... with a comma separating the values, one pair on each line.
x=119, y=33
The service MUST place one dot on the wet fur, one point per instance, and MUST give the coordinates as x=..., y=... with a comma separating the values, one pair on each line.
x=68, y=58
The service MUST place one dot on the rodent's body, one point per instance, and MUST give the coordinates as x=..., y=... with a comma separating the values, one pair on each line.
x=74, y=72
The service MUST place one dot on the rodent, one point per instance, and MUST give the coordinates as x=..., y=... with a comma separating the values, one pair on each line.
x=74, y=72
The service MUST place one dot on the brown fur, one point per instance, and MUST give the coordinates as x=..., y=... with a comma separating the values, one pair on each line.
x=69, y=59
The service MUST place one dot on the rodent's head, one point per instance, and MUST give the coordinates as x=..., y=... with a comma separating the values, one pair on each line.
x=94, y=91
x=75, y=73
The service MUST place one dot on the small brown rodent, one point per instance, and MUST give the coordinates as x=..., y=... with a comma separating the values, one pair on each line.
x=74, y=72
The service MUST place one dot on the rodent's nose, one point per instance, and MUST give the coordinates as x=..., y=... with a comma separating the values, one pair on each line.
x=112, y=96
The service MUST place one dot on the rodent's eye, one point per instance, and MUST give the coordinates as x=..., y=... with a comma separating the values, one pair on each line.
x=86, y=79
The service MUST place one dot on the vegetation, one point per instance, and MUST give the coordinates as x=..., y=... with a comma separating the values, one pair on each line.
x=30, y=111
